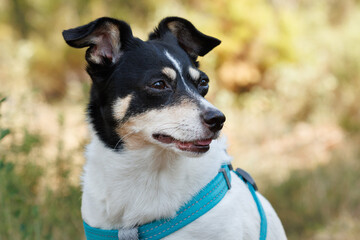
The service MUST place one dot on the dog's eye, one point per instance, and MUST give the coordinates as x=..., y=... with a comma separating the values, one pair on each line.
x=203, y=85
x=159, y=85
x=204, y=82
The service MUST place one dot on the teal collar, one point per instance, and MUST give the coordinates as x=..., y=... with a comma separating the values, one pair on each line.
x=205, y=200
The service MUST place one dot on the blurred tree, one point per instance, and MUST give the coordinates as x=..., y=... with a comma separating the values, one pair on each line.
x=20, y=9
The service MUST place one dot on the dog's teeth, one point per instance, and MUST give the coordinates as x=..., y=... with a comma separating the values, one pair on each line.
x=185, y=144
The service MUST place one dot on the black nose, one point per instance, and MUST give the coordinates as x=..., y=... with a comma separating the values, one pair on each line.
x=214, y=119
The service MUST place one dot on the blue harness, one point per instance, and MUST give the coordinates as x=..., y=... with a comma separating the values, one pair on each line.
x=205, y=200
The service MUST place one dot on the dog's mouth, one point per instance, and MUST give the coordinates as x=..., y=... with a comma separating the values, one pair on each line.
x=197, y=146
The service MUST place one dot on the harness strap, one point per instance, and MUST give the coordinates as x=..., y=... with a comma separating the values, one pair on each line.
x=252, y=187
x=205, y=200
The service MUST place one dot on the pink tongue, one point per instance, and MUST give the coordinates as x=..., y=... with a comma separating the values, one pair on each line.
x=203, y=142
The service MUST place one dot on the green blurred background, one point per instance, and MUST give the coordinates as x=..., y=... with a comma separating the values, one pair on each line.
x=287, y=76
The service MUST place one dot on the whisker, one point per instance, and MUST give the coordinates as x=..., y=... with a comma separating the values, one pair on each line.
x=123, y=138
x=117, y=144
x=176, y=126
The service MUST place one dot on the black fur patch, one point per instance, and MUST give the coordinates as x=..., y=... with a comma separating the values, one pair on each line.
x=135, y=67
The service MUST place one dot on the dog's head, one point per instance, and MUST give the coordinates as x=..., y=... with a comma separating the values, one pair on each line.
x=148, y=92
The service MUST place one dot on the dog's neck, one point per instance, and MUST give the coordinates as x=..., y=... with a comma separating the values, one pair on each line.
x=128, y=188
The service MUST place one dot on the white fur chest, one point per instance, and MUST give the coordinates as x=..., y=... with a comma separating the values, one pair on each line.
x=136, y=187
x=123, y=190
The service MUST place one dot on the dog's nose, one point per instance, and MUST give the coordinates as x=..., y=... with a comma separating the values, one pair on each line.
x=214, y=119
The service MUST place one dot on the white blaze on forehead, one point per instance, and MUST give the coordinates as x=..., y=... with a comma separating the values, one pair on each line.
x=175, y=62
x=120, y=107
x=194, y=74
x=178, y=67
x=169, y=72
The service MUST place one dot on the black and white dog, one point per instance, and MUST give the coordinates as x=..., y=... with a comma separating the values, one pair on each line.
x=154, y=136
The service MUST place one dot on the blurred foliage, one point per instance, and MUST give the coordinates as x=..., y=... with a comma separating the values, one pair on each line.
x=29, y=213
x=3, y=131
x=318, y=197
x=287, y=75
x=28, y=210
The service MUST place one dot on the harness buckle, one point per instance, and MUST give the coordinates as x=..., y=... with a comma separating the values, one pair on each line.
x=228, y=183
x=128, y=234
x=246, y=177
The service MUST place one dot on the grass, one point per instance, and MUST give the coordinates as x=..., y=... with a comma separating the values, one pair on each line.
x=29, y=213
x=310, y=200
x=29, y=210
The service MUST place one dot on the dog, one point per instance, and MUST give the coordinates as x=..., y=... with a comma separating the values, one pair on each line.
x=155, y=138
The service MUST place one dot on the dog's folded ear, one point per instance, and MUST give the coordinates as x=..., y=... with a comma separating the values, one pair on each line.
x=189, y=38
x=105, y=37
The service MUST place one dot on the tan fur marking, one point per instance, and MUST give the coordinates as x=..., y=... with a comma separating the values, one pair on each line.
x=169, y=72
x=194, y=74
x=137, y=132
x=133, y=140
x=120, y=107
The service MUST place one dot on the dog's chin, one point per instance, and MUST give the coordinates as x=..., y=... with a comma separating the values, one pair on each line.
x=194, y=148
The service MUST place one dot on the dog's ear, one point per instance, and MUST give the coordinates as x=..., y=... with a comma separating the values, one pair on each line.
x=105, y=37
x=189, y=38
